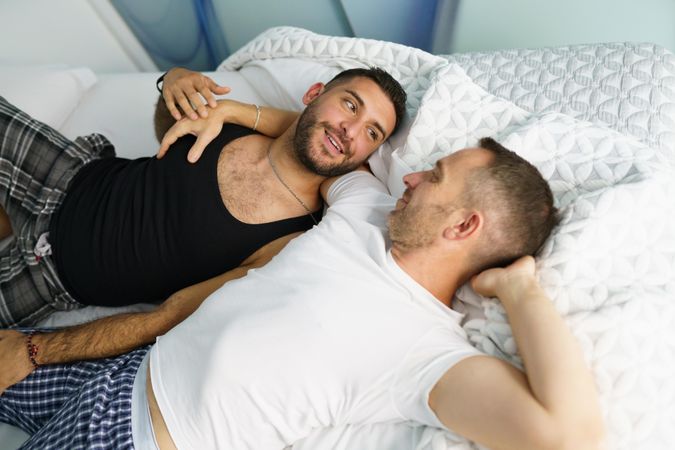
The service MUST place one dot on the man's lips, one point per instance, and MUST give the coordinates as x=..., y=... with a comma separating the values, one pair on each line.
x=403, y=200
x=333, y=143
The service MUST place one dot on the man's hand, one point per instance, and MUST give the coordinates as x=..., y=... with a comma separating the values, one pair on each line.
x=191, y=91
x=498, y=282
x=206, y=130
x=14, y=362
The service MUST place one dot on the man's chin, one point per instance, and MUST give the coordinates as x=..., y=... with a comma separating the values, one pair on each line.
x=334, y=170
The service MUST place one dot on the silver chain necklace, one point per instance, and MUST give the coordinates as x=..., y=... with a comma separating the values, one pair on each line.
x=274, y=169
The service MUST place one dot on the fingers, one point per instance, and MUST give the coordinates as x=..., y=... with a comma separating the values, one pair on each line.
x=217, y=89
x=199, y=106
x=210, y=88
x=485, y=282
x=516, y=275
x=185, y=105
x=203, y=139
x=198, y=148
x=205, y=130
x=190, y=92
x=178, y=130
x=167, y=141
x=171, y=105
x=209, y=97
x=525, y=264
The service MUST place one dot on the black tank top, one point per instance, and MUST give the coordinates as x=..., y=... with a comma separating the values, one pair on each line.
x=138, y=230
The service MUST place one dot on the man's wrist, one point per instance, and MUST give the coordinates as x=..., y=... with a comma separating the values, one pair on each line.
x=232, y=111
x=32, y=349
x=516, y=289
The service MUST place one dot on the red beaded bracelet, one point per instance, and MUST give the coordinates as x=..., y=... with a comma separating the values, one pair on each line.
x=32, y=349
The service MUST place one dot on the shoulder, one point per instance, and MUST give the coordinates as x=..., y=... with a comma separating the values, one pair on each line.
x=357, y=183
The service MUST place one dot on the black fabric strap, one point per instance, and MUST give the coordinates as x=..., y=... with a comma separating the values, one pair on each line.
x=159, y=82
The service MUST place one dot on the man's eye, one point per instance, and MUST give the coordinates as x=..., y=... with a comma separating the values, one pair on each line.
x=350, y=105
x=372, y=134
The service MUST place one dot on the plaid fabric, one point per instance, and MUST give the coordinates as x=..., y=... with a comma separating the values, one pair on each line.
x=85, y=405
x=36, y=165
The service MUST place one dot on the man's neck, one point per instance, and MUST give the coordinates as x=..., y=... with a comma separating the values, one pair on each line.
x=436, y=274
x=296, y=175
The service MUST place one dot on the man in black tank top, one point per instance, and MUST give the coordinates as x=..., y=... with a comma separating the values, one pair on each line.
x=92, y=229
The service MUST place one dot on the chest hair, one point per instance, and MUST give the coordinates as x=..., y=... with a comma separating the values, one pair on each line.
x=248, y=188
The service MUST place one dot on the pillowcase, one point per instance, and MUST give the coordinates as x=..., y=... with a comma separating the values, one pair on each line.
x=47, y=93
x=577, y=156
x=611, y=240
x=282, y=82
x=454, y=113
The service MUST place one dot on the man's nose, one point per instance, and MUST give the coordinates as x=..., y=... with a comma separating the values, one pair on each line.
x=411, y=180
x=350, y=128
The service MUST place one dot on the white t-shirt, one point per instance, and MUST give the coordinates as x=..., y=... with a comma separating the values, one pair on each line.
x=330, y=332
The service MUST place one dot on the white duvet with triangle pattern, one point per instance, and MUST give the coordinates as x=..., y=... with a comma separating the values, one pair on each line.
x=599, y=123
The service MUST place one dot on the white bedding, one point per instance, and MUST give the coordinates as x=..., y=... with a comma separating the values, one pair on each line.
x=610, y=266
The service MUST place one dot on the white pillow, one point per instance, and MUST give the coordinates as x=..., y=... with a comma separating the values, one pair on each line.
x=121, y=107
x=282, y=82
x=47, y=93
x=453, y=114
x=611, y=240
x=577, y=156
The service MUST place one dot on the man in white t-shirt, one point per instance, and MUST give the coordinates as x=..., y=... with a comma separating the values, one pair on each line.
x=350, y=324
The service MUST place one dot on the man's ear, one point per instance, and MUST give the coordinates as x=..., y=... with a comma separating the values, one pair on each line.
x=313, y=92
x=464, y=224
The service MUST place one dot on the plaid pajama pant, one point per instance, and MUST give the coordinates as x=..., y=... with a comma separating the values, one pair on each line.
x=85, y=405
x=36, y=165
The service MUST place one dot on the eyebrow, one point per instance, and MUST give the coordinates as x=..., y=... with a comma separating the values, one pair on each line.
x=359, y=100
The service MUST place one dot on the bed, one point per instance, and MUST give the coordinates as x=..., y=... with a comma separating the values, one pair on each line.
x=598, y=121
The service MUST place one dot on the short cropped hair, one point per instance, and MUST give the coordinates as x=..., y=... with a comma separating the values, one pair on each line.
x=162, y=120
x=520, y=199
x=384, y=80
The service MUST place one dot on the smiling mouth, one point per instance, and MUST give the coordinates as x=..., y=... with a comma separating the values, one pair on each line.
x=335, y=143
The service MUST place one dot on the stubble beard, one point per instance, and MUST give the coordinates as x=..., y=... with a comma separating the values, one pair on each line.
x=415, y=227
x=310, y=157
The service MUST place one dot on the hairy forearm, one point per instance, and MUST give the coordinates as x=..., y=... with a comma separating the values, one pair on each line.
x=555, y=368
x=102, y=338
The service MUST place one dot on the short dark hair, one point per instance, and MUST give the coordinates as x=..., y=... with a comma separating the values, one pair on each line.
x=521, y=199
x=163, y=120
x=384, y=80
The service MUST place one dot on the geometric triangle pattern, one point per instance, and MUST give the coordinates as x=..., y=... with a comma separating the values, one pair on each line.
x=412, y=67
x=629, y=87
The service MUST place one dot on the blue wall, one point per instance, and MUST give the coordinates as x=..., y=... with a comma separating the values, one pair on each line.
x=199, y=34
